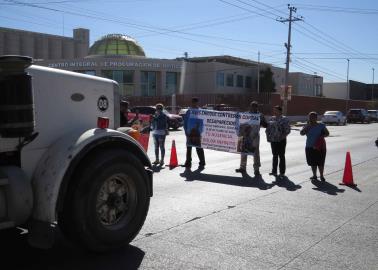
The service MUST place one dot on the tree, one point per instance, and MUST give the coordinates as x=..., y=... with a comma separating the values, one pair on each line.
x=267, y=83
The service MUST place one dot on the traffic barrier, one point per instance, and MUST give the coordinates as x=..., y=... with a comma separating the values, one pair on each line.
x=173, y=160
x=348, y=172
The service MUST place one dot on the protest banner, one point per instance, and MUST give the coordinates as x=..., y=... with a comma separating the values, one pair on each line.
x=232, y=132
x=141, y=125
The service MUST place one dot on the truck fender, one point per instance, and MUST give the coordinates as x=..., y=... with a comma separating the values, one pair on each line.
x=58, y=163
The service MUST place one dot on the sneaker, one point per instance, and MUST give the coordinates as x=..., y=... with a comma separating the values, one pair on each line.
x=155, y=162
x=273, y=173
x=281, y=176
x=314, y=177
x=322, y=178
x=161, y=163
x=240, y=170
x=257, y=173
x=201, y=167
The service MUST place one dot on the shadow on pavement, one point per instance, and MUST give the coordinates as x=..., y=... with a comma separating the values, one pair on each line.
x=326, y=187
x=286, y=183
x=157, y=168
x=244, y=181
x=352, y=187
x=17, y=254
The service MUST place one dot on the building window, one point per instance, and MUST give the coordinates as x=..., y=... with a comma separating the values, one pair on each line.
x=148, y=83
x=171, y=79
x=125, y=79
x=248, y=82
x=230, y=80
x=220, y=79
x=239, y=81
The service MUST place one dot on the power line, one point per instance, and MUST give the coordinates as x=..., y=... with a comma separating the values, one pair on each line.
x=137, y=26
x=338, y=9
x=334, y=41
x=321, y=67
x=312, y=69
x=343, y=44
x=243, y=8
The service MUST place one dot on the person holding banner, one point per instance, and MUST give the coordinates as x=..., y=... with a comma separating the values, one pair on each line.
x=276, y=132
x=193, y=138
x=253, y=137
x=159, y=132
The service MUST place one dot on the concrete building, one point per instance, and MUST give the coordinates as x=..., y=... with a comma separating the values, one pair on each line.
x=335, y=90
x=121, y=58
x=44, y=46
x=357, y=90
x=306, y=84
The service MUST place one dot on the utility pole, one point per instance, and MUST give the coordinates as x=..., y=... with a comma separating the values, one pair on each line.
x=258, y=72
x=288, y=47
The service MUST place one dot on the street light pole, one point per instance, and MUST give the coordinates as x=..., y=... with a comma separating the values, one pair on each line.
x=258, y=73
x=372, y=87
x=348, y=95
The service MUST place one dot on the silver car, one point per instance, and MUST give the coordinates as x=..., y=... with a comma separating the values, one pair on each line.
x=334, y=117
x=373, y=115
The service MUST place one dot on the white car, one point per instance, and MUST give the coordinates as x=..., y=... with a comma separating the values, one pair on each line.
x=334, y=117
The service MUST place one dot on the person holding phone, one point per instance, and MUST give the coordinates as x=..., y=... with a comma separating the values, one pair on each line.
x=315, y=145
x=159, y=132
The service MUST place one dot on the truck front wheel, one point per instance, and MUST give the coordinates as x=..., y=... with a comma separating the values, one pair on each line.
x=107, y=202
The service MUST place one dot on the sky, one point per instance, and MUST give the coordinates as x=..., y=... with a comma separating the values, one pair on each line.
x=325, y=36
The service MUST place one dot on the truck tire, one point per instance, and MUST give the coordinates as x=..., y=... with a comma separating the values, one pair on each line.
x=107, y=201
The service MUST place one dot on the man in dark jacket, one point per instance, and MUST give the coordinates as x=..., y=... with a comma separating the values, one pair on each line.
x=255, y=136
x=124, y=111
x=200, y=152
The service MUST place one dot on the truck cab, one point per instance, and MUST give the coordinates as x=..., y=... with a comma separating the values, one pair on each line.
x=63, y=160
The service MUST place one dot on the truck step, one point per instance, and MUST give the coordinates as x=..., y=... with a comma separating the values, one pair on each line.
x=6, y=224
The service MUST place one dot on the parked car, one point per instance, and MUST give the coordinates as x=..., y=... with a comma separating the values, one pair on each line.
x=334, y=117
x=174, y=121
x=373, y=115
x=220, y=107
x=358, y=115
x=183, y=111
x=173, y=109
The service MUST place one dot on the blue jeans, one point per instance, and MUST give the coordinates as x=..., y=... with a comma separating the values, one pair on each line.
x=159, y=141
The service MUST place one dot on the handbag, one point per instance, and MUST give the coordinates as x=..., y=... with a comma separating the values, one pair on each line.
x=320, y=144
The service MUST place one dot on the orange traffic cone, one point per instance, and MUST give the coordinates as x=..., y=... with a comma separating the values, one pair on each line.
x=348, y=173
x=173, y=161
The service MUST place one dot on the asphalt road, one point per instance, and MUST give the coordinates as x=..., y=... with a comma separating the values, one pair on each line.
x=216, y=219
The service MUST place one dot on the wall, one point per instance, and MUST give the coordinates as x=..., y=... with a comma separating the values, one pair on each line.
x=302, y=105
x=335, y=90
x=298, y=106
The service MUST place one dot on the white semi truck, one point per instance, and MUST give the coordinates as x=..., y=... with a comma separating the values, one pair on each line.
x=64, y=162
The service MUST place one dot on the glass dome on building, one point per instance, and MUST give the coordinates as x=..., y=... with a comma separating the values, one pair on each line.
x=116, y=45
